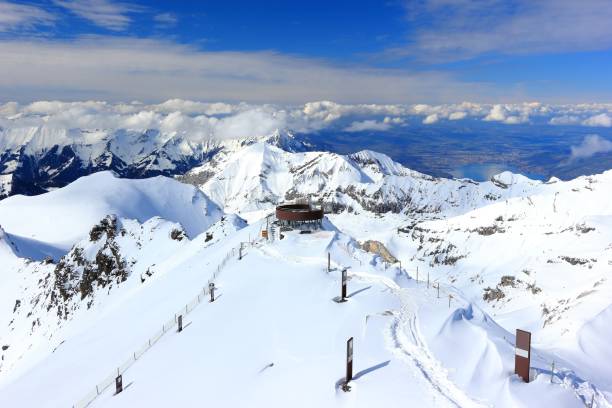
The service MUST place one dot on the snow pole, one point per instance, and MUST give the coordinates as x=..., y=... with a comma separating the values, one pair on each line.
x=343, y=291
x=240, y=252
x=328, y=262
x=428, y=280
x=349, y=364
x=417, y=274
x=552, y=372
x=449, y=300
x=180, y=323
x=438, y=285
x=118, y=383
x=211, y=287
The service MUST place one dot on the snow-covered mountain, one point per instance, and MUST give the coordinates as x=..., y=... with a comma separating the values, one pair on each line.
x=35, y=159
x=95, y=274
x=261, y=175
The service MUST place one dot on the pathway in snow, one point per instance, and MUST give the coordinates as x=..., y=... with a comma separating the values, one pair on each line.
x=408, y=344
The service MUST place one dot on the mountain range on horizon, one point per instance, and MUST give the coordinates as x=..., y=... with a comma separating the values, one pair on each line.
x=46, y=145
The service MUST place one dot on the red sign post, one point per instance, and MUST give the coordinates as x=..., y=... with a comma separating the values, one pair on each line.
x=522, y=354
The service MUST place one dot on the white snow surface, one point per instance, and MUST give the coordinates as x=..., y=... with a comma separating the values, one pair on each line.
x=64, y=216
x=509, y=253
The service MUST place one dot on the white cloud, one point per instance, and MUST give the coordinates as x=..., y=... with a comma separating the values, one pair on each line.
x=601, y=120
x=433, y=118
x=457, y=115
x=198, y=121
x=191, y=107
x=20, y=16
x=421, y=108
x=255, y=122
x=126, y=69
x=510, y=115
x=515, y=120
x=393, y=121
x=165, y=20
x=590, y=146
x=462, y=30
x=564, y=120
x=103, y=13
x=497, y=113
x=367, y=125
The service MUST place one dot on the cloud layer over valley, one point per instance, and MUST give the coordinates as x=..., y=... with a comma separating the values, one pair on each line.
x=201, y=121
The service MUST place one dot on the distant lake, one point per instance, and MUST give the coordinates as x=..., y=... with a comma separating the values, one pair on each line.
x=484, y=171
x=476, y=149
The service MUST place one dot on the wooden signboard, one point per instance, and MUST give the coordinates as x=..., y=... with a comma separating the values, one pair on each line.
x=522, y=354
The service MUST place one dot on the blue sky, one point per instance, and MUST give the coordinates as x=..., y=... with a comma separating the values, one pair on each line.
x=432, y=51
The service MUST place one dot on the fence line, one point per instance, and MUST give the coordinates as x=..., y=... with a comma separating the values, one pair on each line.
x=166, y=327
x=589, y=395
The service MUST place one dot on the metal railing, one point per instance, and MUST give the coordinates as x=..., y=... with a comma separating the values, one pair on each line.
x=166, y=327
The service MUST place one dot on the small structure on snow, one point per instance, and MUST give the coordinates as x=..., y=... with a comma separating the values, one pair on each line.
x=299, y=215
